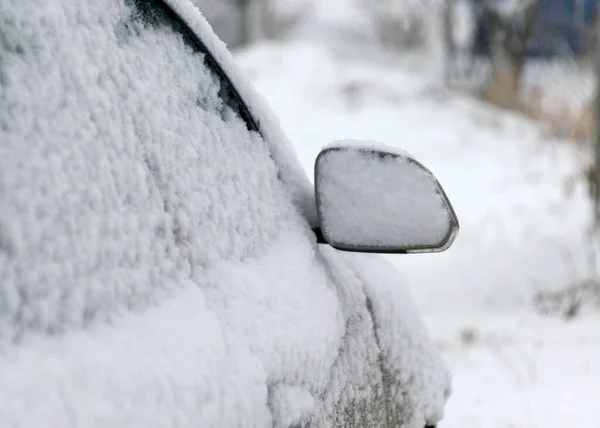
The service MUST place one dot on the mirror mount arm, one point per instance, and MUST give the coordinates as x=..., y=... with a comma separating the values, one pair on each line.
x=319, y=234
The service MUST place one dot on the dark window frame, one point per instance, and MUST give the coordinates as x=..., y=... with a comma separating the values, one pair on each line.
x=150, y=11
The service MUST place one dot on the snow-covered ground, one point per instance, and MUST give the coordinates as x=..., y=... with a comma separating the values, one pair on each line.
x=524, y=216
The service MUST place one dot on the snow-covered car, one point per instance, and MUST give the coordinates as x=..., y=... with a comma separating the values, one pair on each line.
x=165, y=261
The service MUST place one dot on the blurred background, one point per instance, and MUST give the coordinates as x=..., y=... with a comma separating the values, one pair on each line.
x=499, y=100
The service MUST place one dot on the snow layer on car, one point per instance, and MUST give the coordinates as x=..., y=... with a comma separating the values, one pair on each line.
x=154, y=269
x=368, y=145
x=291, y=171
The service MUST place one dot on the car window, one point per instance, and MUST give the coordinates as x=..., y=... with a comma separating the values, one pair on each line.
x=127, y=163
x=156, y=13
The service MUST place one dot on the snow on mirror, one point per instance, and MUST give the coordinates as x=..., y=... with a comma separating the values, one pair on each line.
x=372, y=200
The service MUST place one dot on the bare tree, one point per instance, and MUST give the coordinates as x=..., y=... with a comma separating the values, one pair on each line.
x=511, y=27
x=266, y=19
x=245, y=8
x=448, y=38
x=596, y=121
x=240, y=22
x=399, y=24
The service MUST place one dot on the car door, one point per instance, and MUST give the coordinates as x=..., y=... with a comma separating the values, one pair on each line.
x=157, y=264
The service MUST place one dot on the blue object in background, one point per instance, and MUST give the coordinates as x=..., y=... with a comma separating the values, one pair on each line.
x=562, y=28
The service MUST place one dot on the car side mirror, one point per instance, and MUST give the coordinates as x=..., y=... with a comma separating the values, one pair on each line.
x=378, y=201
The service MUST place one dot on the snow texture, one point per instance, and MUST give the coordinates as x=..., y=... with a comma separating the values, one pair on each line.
x=157, y=266
x=379, y=201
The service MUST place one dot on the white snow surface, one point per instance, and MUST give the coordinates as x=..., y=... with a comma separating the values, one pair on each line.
x=379, y=202
x=524, y=215
x=157, y=266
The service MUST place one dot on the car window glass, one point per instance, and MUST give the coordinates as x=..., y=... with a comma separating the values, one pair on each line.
x=126, y=164
x=156, y=13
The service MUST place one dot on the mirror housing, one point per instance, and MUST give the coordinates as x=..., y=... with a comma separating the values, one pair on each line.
x=381, y=200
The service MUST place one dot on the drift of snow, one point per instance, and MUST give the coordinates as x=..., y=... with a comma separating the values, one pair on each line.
x=368, y=200
x=157, y=265
x=523, y=209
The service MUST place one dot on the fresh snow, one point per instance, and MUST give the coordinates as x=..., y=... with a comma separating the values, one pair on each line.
x=524, y=215
x=157, y=265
